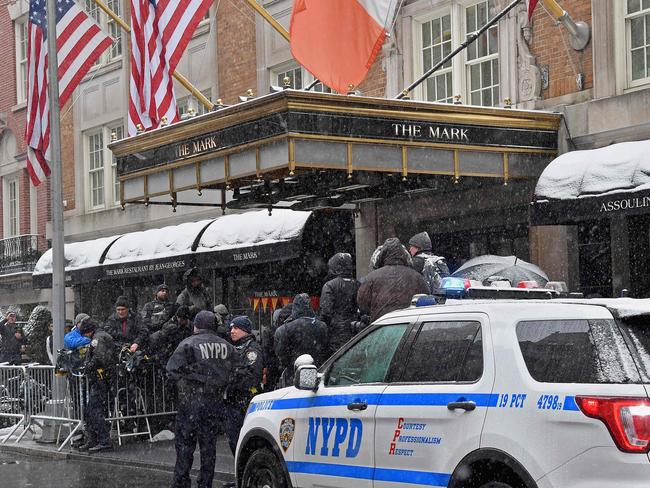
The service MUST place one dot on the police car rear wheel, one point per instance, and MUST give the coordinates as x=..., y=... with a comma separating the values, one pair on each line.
x=263, y=470
x=495, y=484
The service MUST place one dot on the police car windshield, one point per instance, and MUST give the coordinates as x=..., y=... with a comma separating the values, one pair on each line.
x=638, y=329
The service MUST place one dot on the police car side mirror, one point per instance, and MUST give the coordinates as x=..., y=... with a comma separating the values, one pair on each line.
x=306, y=377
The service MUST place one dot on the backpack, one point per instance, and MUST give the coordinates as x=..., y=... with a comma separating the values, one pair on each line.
x=435, y=269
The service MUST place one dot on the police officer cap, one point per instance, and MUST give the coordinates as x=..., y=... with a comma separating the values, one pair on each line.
x=162, y=287
x=204, y=320
x=87, y=325
x=242, y=323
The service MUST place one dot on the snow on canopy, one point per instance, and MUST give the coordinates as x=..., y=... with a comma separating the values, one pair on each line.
x=620, y=167
x=227, y=232
x=174, y=240
x=78, y=255
x=253, y=229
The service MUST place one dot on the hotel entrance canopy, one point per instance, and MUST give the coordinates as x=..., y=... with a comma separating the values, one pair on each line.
x=322, y=150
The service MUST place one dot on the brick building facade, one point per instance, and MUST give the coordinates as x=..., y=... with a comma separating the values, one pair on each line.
x=235, y=50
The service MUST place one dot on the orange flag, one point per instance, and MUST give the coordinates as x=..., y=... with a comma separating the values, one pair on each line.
x=338, y=40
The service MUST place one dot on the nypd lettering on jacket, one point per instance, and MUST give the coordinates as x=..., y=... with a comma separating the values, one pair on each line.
x=329, y=436
x=214, y=350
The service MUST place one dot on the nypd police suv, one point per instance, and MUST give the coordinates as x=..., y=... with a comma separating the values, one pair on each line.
x=471, y=393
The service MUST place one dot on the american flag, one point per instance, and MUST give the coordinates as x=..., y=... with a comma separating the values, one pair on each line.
x=80, y=42
x=160, y=31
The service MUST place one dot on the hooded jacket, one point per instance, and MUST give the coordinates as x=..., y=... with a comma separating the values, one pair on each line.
x=338, y=300
x=392, y=286
x=302, y=334
x=9, y=345
x=128, y=330
x=196, y=299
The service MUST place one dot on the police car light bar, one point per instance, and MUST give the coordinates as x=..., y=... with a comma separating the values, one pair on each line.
x=452, y=287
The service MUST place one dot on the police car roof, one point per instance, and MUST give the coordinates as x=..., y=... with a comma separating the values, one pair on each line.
x=531, y=309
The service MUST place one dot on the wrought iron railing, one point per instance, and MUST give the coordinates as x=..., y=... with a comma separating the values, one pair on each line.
x=20, y=253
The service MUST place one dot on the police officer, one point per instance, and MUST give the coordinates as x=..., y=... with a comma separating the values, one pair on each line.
x=101, y=359
x=203, y=366
x=250, y=377
x=158, y=312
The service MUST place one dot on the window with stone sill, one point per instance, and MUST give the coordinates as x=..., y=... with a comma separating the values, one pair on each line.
x=299, y=78
x=12, y=206
x=184, y=104
x=21, y=36
x=637, y=26
x=103, y=189
x=474, y=73
x=109, y=26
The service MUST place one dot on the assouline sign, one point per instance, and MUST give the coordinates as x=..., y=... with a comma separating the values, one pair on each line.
x=330, y=125
x=621, y=204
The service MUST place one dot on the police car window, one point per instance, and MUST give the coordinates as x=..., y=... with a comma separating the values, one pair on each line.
x=576, y=351
x=446, y=352
x=638, y=329
x=368, y=360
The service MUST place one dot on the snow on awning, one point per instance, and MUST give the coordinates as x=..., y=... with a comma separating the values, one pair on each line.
x=582, y=185
x=233, y=240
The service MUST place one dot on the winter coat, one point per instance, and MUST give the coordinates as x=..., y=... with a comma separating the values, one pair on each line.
x=73, y=340
x=127, y=331
x=204, y=365
x=162, y=343
x=433, y=268
x=271, y=362
x=250, y=375
x=9, y=345
x=302, y=334
x=338, y=301
x=156, y=313
x=392, y=286
x=196, y=299
x=102, y=356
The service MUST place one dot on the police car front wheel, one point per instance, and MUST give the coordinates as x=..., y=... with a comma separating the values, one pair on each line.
x=495, y=484
x=263, y=470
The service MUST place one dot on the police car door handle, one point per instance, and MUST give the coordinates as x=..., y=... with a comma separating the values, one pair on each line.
x=357, y=406
x=467, y=406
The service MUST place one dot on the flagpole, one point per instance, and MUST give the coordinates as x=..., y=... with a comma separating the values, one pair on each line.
x=465, y=44
x=269, y=18
x=179, y=77
x=56, y=187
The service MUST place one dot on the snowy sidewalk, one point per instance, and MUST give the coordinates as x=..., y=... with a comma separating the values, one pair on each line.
x=149, y=455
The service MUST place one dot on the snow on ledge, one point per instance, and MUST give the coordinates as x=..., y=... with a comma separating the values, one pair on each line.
x=622, y=167
x=227, y=232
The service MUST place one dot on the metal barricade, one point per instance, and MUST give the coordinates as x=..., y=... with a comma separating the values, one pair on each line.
x=137, y=397
x=48, y=400
x=29, y=399
x=12, y=398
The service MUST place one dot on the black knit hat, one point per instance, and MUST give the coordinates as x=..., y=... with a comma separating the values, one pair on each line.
x=122, y=301
x=162, y=287
x=204, y=320
x=242, y=323
x=87, y=325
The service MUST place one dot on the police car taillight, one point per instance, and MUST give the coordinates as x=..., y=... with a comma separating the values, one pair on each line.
x=627, y=419
x=528, y=284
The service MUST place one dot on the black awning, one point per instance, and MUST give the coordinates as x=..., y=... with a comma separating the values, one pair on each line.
x=594, y=184
x=555, y=212
x=231, y=241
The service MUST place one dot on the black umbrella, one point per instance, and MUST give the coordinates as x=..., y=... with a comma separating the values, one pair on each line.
x=510, y=268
